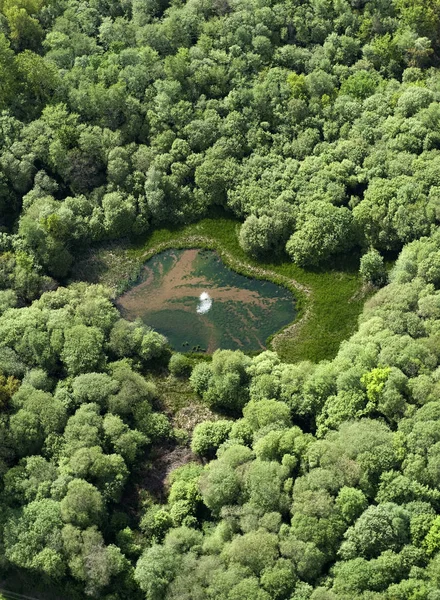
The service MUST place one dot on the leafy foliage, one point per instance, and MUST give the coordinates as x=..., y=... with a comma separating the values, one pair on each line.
x=316, y=124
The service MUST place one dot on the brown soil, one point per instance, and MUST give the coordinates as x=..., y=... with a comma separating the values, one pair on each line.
x=163, y=460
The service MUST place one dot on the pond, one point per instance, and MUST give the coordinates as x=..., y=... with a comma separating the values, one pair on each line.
x=199, y=304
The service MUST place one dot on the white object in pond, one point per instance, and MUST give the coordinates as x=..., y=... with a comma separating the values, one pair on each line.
x=205, y=303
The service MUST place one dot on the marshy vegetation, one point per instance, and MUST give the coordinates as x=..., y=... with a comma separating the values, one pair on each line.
x=328, y=300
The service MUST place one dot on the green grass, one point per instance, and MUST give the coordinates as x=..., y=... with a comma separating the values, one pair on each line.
x=326, y=315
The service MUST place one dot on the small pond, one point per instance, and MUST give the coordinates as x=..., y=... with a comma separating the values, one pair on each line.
x=198, y=303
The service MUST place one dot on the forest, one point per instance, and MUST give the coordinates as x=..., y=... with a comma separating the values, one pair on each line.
x=315, y=125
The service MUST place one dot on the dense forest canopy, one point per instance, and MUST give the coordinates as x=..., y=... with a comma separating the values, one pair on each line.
x=314, y=122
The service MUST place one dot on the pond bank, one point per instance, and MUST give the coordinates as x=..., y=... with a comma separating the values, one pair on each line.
x=328, y=301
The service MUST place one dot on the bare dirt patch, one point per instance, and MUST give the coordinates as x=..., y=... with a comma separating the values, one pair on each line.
x=163, y=460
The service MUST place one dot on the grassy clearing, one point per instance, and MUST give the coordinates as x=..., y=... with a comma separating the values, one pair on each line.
x=149, y=481
x=329, y=300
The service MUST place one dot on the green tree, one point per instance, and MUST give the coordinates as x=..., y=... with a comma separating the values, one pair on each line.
x=83, y=505
x=372, y=268
x=323, y=230
x=223, y=384
x=208, y=436
x=38, y=415
x=38, y=80
x=262, y=235
x=266, y=412
x=179, y=365
x=119, y=214
x=82, y=351
x=8, y=81
x=89, y=560
x=379, y=528
x=107, y=471
x=257, y=550
x=155, y=570
x=93, y=387
x=125, y=441
x=33, y=540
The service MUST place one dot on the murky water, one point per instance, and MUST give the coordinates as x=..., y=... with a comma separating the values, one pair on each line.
x=199, y=304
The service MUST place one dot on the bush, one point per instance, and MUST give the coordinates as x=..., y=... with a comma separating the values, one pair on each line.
x=324, y=230
x=180, y=365
x=208, y=436
x=372, y=269
x=200, y=377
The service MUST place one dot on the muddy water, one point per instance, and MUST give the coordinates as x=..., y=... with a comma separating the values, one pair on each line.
x=198, y=303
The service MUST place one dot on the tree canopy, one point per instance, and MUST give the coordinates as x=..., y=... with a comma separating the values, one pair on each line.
x=315, y=124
